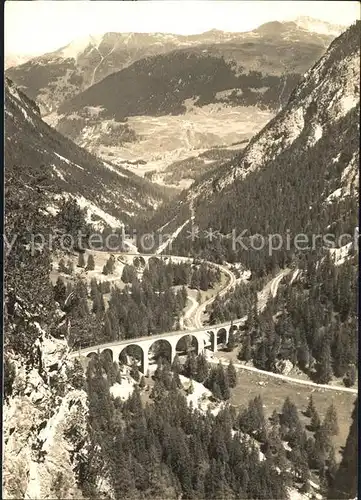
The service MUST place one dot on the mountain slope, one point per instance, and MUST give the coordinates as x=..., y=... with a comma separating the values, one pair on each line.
x=249, y=67
x=59, y=75
x=110, y=194
x=13, y=60
x=287, y=210
x=190, y=99
x=298, y=173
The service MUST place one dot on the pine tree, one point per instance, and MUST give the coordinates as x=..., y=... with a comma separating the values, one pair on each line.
x=231, y=375
x=310, y=407
x=315, y=421
x=215, y=482
x=90, y=263
x=60, y=291
x=350, y=377
x=190, y=366
x=331, y=422
x=111, y=264
x=245, y=353
x=331, y=467
x=61, y=266
x=324, y=369
x=345, y=481
x=202, y=368
x=134, y=372
x=176, y=380
x=222, y=380
x=252, y=419
x=158, y=392
x=98, y=303
x=129, y=274
x=176, y=366
x=216, y=390
x=322, y=447
x=81, y=260
x=142, y=383
x=195, y=280
x=340, y=354
x=260, y=357
x=107, y=328
x=275, y=419
x=226, y=394
x=290, y=423
x=70, y=267
x=274, y=447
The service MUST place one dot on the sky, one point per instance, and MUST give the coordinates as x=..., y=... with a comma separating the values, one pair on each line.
x=41, y=26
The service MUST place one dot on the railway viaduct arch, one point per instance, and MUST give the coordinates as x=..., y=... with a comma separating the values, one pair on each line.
x=205, y=337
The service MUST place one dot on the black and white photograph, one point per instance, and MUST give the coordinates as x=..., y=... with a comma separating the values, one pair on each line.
x=180, y=250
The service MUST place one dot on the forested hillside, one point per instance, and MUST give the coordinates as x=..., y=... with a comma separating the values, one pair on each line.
x=298, y=174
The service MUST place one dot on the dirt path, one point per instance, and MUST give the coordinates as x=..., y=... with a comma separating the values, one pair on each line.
x=308, y=383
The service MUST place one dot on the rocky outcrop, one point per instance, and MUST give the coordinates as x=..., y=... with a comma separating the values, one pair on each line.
x=45, y=425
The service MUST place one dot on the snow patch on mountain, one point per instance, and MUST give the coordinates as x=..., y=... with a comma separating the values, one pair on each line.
x=110, y=167
x=67, y=161
x=123, y=390
x=58, y=173
x=173, y=236
x=315, y=135
x=347, y=103
x=94, y=211
x=341, y=254
x=334, y=195
x=78, y=46
x=317, y=26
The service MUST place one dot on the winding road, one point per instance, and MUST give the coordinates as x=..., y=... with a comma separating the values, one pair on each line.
x=231, y=283
x=299, y=381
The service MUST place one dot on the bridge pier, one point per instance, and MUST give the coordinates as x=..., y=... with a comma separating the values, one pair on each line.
x=145, y=363
x=227, y=335
x=214, y=340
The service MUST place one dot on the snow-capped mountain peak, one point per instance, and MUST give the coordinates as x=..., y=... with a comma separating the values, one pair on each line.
x=78, y=46
x=318, y=26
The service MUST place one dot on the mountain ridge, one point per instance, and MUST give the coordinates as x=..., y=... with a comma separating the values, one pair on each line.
x=73, y=68
x=108, y=193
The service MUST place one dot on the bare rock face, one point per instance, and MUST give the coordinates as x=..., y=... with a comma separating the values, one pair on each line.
x=45, y=424
x=285, y=366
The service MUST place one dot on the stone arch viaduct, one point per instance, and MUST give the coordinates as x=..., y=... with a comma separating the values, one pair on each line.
x=207, y=337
